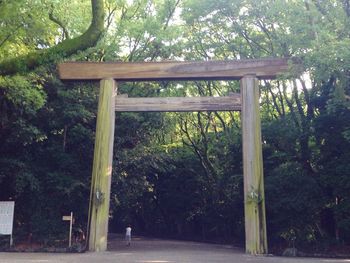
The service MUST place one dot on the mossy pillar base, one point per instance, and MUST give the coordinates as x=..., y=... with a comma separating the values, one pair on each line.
x=102, y=167
x=254, y=197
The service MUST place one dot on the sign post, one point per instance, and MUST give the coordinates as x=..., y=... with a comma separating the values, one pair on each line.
x=69, y=218
x=7, y=209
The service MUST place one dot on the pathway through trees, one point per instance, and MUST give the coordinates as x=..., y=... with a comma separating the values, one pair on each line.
x=158, y=251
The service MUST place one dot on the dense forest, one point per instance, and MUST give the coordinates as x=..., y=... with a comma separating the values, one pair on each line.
x=177, y=175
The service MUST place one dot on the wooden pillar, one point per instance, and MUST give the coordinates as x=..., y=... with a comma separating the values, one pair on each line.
x=254, y=197
x=102, y=167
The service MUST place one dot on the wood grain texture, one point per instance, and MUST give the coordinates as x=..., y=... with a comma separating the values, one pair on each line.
x=254, y=197
x=102, y=167
x=178, y=104
x=190, y=70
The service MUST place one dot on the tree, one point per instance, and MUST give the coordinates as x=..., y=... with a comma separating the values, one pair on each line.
x=65, y=48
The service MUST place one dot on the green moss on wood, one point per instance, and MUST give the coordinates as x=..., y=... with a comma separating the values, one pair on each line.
x=254, y=208
x=66, y=48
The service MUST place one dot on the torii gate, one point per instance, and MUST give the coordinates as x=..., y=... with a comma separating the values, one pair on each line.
x=247, y=71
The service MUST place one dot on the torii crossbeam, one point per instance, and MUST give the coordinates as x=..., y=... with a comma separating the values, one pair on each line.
x=247, y=71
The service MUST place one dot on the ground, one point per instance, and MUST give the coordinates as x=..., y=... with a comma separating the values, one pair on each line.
x=157, y=251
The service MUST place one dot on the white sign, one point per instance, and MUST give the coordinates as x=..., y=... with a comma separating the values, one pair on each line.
x=6, y=217
x=66, y=218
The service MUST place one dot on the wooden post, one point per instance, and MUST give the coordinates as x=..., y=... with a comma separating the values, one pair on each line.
x=102, y=167
x=254, y=197
x=70, y=229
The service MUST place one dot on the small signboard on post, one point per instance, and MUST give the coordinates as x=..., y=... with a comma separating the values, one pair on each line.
x=69, y=218
x=7, y=209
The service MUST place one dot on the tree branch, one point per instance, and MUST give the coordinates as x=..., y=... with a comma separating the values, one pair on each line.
x=171, y=14
x=58, y=22
x=274, y=99
x=2, y=42
x=346, y=7
x=66, y=48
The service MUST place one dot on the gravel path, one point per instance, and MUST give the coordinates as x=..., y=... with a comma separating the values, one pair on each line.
x=157, y=251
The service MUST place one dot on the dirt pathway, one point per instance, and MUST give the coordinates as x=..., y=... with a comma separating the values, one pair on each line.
x=157, y=251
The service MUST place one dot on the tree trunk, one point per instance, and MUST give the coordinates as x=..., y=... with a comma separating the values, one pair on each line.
x=66, y=48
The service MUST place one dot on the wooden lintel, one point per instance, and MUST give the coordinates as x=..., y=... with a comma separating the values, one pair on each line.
x=178, y=104
x=189, y=70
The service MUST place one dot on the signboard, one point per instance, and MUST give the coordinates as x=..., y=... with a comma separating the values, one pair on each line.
x=71, y=220
x=66, y=218
x=6, y=217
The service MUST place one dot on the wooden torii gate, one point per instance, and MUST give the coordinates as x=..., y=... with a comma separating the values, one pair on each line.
x=247, y=71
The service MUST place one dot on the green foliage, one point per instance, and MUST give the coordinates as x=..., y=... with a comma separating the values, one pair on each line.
x=23, y=93
x=288, y=192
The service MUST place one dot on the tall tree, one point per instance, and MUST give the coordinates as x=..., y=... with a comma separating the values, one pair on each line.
x=65, y=48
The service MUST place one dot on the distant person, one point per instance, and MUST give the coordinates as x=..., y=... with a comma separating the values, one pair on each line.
x=78, y=235
x=128, y=235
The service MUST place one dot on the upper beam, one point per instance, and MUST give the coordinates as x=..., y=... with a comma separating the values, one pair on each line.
x=190, y=70
x=178, y=104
